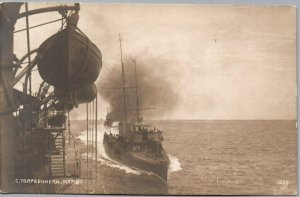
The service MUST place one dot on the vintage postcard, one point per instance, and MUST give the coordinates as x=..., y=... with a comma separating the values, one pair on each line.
x=148, y=99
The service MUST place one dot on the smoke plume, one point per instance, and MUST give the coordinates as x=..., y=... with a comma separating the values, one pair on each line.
x=154, y=90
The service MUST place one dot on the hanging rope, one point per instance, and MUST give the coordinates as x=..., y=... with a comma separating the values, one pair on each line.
x=94, y=149
x=66, y=16
x=92, y=142
x=96, y=139
x=92, y=136
x=87, y=146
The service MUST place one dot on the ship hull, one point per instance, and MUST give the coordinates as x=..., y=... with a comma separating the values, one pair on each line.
x=118, y=152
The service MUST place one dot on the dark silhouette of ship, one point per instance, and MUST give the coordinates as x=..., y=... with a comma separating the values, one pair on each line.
x=35, y=120
x=137, y=144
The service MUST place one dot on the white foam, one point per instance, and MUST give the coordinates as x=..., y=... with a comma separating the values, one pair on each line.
x=103, y=158
x=114, y=164
x=106, y=160
x=174, y=164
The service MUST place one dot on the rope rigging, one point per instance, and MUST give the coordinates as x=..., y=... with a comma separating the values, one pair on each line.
x=39, y=25
x=91, y=142
x=87, y=145
x=63, y=19
x=30, y=105
x=92, y=133
x=96, y=137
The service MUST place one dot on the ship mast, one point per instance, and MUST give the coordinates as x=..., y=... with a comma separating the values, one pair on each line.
x=136, y=92
x=123, y=80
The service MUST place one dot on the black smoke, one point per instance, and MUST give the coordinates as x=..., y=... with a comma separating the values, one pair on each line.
x=155, y=90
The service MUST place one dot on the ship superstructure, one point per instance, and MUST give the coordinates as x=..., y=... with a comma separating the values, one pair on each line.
x=137, y=143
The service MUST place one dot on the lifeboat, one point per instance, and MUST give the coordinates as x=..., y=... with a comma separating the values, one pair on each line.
x=77, y=95
x=69, y=60
x=86, y=94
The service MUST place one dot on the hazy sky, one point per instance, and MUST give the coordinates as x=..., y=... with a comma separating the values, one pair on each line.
x=225, y=62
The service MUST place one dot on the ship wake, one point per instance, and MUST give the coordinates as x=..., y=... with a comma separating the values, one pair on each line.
x=174, y=164
x=104, y=159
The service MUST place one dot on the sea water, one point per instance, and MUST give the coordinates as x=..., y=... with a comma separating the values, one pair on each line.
x=216, y=157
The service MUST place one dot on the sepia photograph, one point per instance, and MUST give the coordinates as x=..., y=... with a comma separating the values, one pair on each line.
x=148, y=99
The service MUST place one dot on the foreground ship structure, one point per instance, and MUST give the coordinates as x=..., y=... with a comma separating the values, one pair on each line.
x=136, y=143
x=34, y=122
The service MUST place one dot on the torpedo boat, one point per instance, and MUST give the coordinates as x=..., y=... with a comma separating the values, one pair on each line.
x=136, y=144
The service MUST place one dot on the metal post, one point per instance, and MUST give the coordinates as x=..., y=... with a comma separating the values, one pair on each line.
x=64, y=151
x=29, y=71
x=8, y=18
x=69, y=126
x=76, y=7
x=136, y=92
x=123, y=80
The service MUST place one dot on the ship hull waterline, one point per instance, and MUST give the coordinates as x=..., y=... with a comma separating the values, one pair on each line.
x=131, y=159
